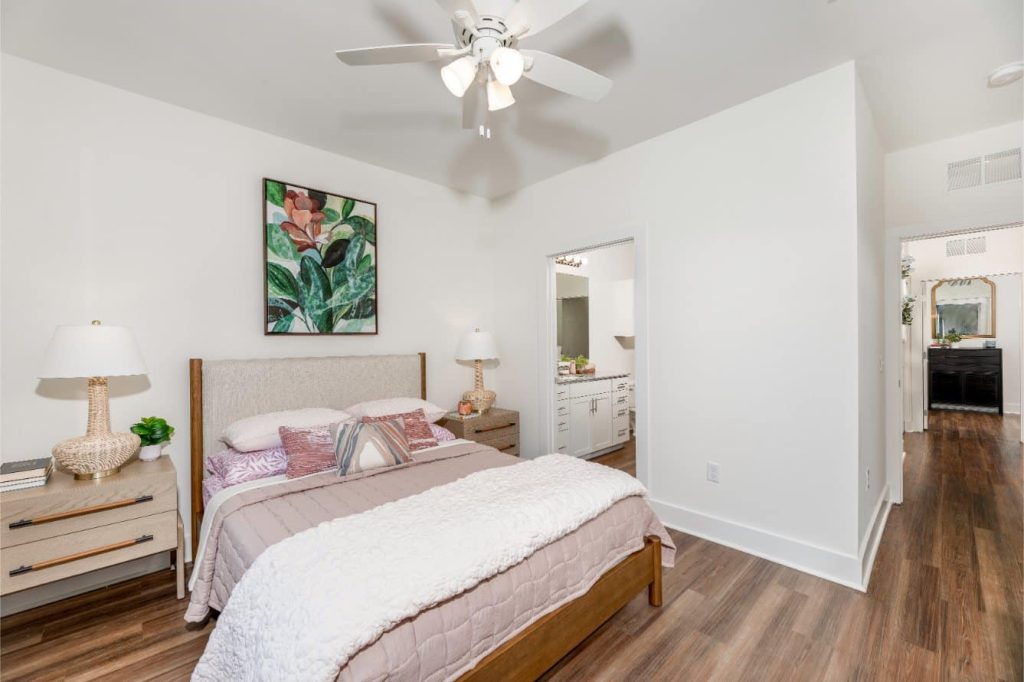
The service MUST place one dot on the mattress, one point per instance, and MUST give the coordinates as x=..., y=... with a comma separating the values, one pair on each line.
x=450, y=638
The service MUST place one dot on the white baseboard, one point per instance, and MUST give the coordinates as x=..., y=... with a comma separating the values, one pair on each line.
x=1011, y=408
x=873, y=538
x=845, y=569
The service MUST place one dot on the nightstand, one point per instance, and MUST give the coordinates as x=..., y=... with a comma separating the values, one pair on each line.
x=68, y=527
x=496, y=427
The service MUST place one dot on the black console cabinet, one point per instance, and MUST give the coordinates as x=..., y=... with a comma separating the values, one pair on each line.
x=965, y=377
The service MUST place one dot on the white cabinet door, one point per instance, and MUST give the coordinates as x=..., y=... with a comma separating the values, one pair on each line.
x=580, y=414
x=601, y=435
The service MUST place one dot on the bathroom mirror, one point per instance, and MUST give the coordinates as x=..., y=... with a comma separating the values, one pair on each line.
x=573, y=314
x=967, y=306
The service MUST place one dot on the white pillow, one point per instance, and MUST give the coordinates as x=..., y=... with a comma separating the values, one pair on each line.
x=260, y=432
x=382, y=408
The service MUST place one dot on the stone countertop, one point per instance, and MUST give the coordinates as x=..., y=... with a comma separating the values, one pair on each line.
x=578, y=378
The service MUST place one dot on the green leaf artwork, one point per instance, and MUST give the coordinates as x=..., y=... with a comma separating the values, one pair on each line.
x=364, y=227
x=320, y=262
x=275, y=193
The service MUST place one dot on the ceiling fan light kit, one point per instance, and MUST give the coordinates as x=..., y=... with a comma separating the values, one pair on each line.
x=486, y=58
x=459, y=75
x=507, y=65
x=499, y=96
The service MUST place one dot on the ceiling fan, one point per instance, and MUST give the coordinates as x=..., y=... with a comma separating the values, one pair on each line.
x=485, y=59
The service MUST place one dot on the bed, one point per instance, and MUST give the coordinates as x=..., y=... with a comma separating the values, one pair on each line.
x=514, y=625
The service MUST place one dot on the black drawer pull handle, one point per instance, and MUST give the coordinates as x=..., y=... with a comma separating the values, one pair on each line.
x=49, y=518
x=80, y=555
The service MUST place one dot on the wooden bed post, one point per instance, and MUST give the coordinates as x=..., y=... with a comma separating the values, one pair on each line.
x=654, y=589
x=195, y=389
x=423, y=376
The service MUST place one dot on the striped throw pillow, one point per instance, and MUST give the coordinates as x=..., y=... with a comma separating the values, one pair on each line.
x=363, y=446
x=310, y=450
x=414, y=425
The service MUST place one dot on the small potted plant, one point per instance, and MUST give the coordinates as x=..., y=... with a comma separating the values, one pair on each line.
x=154, y=433
x=952, y=338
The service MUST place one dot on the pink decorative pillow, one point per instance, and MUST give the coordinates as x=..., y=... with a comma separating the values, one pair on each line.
x=310, y=450
x=236, y=467
x=417, y=428
x=442, y=434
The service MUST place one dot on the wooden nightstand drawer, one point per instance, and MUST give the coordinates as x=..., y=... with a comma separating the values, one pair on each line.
x=498, y=428
x=505, y=443
x=86, y=550
x=67, y=506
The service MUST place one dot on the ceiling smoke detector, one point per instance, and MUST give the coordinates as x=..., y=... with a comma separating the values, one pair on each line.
x=1006, y=74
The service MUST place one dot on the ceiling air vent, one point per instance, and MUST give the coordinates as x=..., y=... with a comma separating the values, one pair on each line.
x=1002, y=166
x=965, y=247
x=964, y=174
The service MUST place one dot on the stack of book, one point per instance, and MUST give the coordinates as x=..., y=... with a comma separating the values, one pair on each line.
x=29, y=473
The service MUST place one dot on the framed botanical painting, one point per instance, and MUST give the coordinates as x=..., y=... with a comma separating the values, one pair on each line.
x=320, y=261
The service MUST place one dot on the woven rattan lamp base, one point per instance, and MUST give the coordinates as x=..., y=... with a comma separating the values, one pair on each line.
x=99, y=452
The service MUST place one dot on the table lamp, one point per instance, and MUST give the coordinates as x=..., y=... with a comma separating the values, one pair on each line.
x=478, y=346
x=95, y=352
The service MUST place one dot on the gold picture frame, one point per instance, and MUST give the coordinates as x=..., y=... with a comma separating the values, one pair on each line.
x=935, y=311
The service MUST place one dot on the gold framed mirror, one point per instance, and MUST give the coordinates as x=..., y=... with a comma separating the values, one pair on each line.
x=964, y=305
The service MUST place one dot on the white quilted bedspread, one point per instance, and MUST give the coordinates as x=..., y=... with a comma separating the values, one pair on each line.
x=311, y=601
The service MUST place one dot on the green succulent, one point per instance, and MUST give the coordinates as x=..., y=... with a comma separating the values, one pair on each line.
x=153, y=430
x=953, y=336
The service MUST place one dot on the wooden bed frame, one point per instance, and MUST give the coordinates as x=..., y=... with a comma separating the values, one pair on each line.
x=531, y=652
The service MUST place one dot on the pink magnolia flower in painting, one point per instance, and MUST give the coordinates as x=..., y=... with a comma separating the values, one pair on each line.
x=305, y=221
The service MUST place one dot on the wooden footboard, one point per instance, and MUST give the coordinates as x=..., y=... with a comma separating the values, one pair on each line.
x=530, y=653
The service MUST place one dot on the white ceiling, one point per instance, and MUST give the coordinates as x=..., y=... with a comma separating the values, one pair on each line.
x=270, y=65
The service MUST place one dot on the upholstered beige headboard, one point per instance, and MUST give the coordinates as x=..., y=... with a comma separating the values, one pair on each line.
x=223, y=391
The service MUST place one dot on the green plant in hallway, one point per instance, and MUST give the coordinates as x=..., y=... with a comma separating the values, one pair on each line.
x=952, y=337
x=908, y=310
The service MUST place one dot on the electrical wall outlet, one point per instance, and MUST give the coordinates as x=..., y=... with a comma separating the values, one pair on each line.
x=713, y=472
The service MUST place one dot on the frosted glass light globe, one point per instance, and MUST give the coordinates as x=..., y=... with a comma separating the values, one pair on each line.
x=507, y=65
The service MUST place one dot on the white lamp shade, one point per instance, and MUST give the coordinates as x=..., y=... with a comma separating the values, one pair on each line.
x=477, y=345
x=459, y=75
x=507, y=65
x=92, y=350
x=499, y=96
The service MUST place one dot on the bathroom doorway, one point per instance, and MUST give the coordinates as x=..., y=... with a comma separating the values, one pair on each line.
x=591, y=366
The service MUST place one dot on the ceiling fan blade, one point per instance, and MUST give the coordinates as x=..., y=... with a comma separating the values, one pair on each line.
x=453, y=6
x=474, y=106
x=568, y=77
x=537, y=15
x=392, y=54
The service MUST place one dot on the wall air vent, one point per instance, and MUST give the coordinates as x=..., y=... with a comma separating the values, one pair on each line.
x=964, y=174
x=1002, y=166
x=967, y=246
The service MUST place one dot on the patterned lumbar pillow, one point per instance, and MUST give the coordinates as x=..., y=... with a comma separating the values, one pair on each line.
x=310, y=450
x=363, y=446
x=415, y=427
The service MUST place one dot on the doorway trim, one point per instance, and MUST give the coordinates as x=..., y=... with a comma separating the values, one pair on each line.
x=894, y=239
x=549, y=339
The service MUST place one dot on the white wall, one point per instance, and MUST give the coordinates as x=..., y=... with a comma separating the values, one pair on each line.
x=1005, y=251
x=915, y=184
x=749, y=225
x=871, y=318
x=128, y=210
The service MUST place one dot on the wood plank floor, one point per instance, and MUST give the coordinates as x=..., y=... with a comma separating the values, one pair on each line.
x=945, y=601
